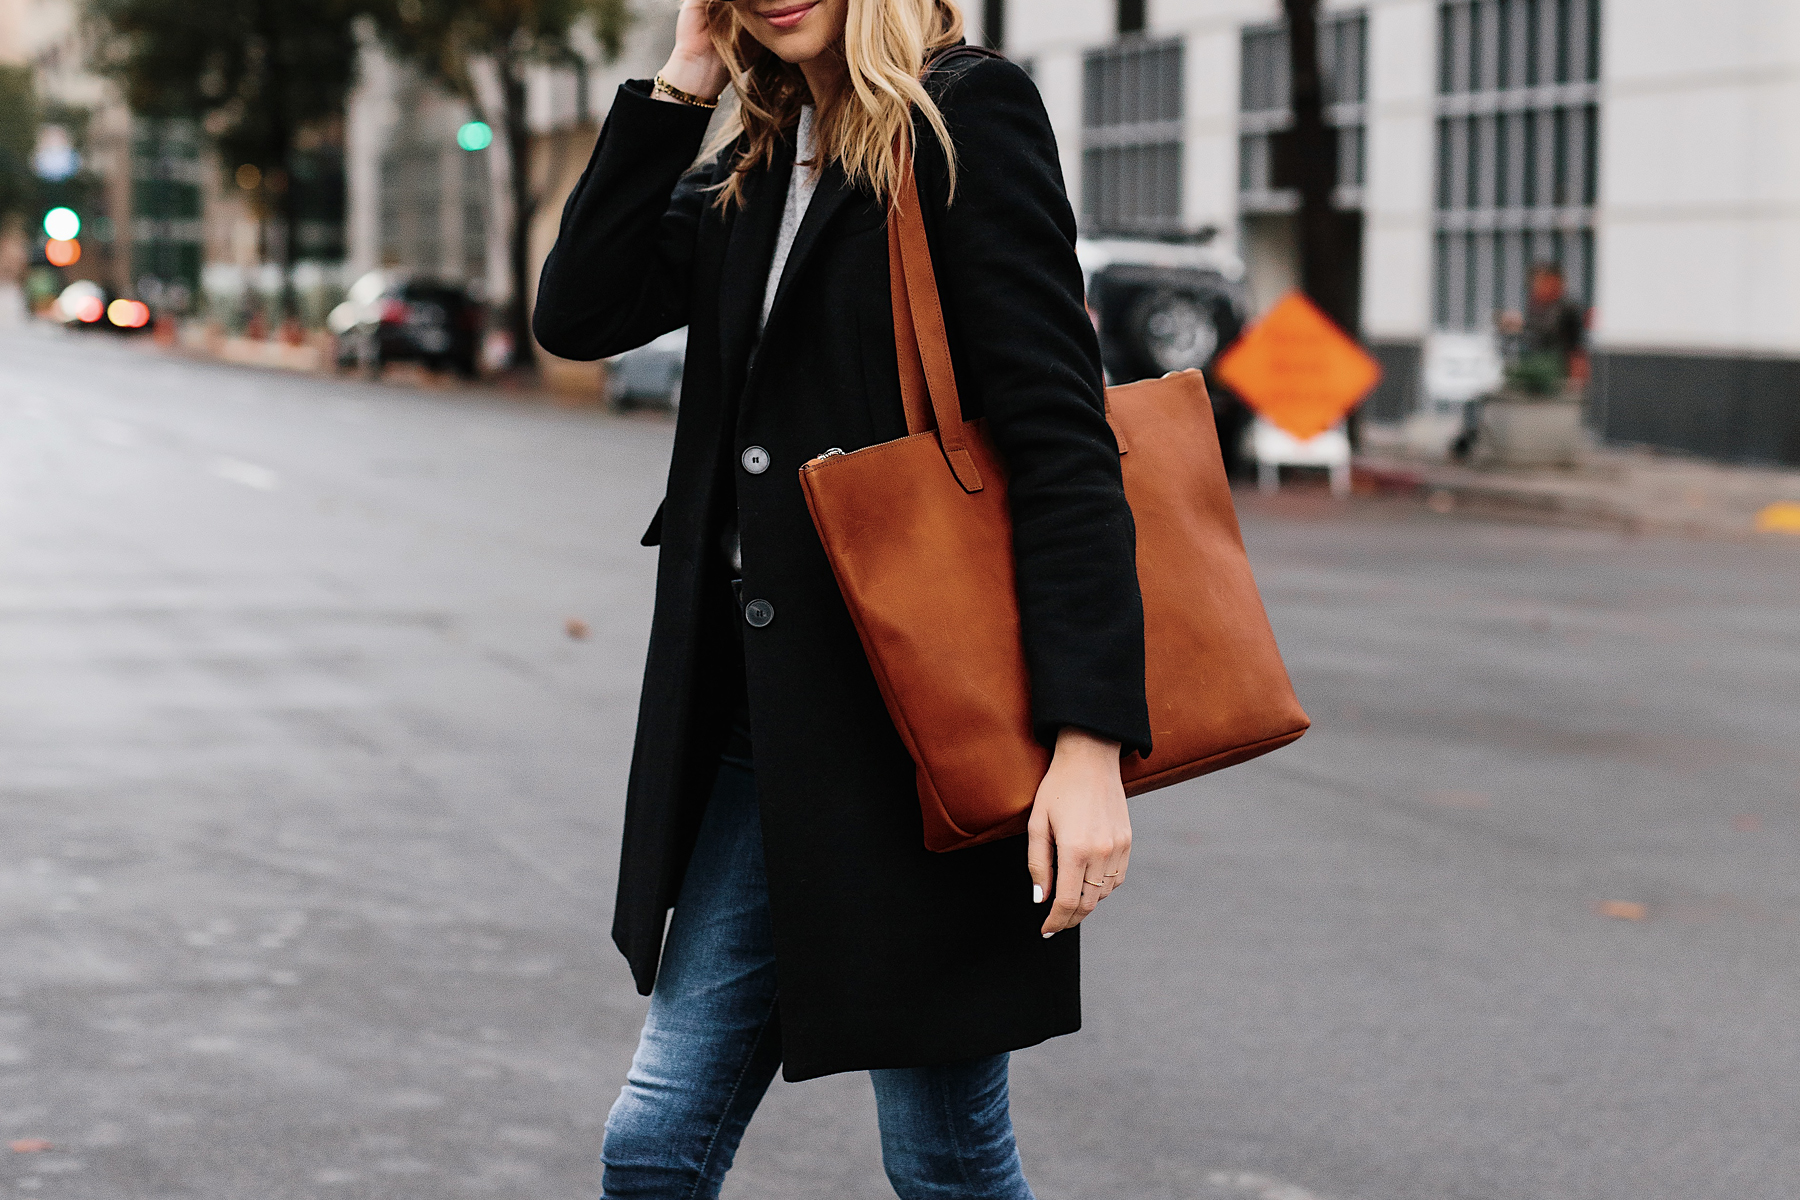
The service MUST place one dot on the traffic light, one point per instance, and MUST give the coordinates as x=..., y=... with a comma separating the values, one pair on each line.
x=61, y=225
x=475, y=135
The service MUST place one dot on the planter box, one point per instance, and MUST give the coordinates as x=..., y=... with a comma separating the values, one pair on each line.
x=1530, y=433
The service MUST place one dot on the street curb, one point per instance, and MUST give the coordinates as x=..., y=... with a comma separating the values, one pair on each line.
x=1593, y=500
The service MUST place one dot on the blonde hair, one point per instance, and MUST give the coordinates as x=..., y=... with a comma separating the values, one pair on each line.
x=866, y=128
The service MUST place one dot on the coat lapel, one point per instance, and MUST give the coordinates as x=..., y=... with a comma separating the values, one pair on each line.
x=745, y=271
x=827, y=198
x=745, y=275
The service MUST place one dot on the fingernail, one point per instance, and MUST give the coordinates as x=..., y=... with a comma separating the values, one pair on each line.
x=1037, y=896
x=1051, y=934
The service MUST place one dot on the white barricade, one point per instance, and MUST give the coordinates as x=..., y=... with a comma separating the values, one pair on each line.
x=1274, y=448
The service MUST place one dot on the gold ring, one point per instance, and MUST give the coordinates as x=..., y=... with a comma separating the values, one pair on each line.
x=1092, y=882
x=1110, y=874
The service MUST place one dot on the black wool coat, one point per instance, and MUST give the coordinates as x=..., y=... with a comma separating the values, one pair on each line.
x=888, y=955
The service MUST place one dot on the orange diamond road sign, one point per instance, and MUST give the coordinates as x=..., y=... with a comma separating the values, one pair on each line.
x=1297, y=369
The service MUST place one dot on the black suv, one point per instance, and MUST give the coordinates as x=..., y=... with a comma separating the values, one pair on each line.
x=1168, y=306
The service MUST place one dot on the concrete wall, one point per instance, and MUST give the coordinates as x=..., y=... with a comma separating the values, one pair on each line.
x=1397, y=197
x=1697, y=325
x=1699, y=223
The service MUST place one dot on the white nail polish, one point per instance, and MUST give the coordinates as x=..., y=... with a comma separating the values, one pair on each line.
x=1037, y=894
x=1051, y=934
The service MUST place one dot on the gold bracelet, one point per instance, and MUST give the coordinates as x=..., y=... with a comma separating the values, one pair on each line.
x=674, y=93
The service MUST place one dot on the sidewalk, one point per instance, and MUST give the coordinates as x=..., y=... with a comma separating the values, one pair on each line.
x=558, y=382
x=1634, y=490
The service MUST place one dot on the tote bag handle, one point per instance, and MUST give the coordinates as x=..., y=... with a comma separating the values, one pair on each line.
x=928, y=390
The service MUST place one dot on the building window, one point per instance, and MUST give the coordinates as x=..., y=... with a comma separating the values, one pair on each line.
x=319, y=195
x=1265, y=167
x=411, y=205
x=1131, y=16
x=993, y=24
x=166, y=231
x=475, y=187
x=1517, y=152
x=1132, y=139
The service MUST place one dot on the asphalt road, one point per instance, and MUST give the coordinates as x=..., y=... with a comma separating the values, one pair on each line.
x=309, y=806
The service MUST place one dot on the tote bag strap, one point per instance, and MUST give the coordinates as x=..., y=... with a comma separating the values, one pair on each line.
x=928, y=391
x=921, y=345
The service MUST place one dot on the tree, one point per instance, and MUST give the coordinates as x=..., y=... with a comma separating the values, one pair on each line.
x=256, y=73
x=451, y=41
x=1326, y=273
x=18, y=135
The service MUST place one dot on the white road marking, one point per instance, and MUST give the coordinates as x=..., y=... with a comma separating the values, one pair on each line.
x=248, y=474
x=1261, y=1186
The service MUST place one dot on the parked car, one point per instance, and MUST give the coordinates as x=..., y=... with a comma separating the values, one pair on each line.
x=390, y=316
x=85, y=304
x=650, y=376
x=1160, y=307
x=1164, y=306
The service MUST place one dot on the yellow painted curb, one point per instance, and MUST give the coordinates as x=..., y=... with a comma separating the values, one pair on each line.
x=1780, y=517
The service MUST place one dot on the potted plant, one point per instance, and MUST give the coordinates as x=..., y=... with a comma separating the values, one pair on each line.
x=1534, y=420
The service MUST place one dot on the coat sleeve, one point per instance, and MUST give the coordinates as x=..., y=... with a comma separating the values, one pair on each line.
x=1027, y=358
x=619, y=273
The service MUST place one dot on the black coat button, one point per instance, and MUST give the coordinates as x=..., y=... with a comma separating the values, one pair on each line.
x=759, y=613
x=755, y=460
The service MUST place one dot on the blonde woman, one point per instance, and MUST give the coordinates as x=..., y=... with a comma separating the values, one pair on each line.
x=771, y=803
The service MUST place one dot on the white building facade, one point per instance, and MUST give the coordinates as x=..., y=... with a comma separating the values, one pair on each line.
x=1647, y=146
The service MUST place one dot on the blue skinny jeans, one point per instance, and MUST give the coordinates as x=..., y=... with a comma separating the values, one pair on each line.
x=712, y=1043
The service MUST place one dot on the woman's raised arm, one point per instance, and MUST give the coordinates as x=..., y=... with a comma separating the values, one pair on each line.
x=618, y=275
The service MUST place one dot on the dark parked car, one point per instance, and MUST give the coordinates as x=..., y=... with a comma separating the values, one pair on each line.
x=1168, y=306
x=1162, y=306
x=392, y=317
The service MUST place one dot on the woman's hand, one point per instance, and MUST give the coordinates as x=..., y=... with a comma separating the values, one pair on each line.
x=694, y=66
x=1080, y=833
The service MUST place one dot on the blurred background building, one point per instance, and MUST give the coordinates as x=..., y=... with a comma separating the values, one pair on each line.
x=82, y=153
x=1647, y=146
x=160, y=217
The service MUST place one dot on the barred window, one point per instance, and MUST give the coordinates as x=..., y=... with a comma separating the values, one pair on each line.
x=1265, y=169
x=166, y=230
x=1517, y=152
x=1132, y=139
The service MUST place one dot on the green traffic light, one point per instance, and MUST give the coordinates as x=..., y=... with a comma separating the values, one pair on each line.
x=61, y=224
x=475, y=136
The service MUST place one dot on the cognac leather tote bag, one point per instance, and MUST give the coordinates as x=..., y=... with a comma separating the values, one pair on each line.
x=920, y=539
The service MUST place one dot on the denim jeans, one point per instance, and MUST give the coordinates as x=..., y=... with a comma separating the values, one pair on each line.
x=712, y=1043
